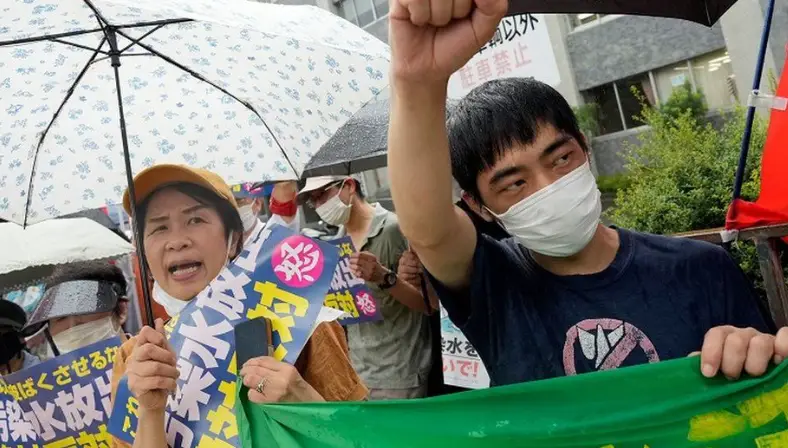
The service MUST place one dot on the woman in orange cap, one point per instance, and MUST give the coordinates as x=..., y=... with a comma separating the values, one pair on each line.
x=191, y=228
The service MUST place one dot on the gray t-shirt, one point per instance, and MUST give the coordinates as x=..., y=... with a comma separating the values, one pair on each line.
x=393, y=353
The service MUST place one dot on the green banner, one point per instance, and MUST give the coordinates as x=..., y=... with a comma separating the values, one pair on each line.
x=668, y=404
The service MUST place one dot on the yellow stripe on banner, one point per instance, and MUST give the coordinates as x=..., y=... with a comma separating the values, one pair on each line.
x=764, y=408
x=777, y=440
x=715, y=426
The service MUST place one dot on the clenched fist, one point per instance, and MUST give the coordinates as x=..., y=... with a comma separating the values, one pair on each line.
x=151, y=369
x=409, y=268
x=365, y=265
x=431, y=39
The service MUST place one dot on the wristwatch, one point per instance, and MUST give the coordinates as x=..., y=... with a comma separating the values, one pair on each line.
x=389, y=280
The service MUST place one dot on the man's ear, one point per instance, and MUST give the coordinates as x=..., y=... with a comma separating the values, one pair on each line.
x=122, y=311
x=477, y=207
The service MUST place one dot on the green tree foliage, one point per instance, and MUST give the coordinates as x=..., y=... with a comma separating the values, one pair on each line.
x=587, y=118
x=684, y=100
x=681, y=177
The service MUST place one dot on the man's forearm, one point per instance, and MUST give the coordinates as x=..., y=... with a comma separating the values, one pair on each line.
x=419, y=163
x=408, y=295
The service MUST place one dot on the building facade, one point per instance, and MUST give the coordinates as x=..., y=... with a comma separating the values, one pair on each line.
x=602, y=59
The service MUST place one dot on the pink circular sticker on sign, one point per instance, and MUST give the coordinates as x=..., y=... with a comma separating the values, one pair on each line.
x=366, y=304
x=298, y=261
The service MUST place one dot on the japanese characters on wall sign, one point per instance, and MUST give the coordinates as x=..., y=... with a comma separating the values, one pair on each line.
x=349, y=293
x=281, y=276
x=521, y=47
x=63, y=402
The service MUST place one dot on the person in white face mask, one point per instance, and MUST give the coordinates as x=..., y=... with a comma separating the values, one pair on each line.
x=393, y=356
x=282, y=205
x=565, y=294
x=84, y=303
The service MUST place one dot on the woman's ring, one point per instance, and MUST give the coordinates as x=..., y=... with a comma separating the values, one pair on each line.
x=261, y=385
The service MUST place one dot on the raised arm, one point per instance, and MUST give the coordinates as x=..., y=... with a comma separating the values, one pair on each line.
x=430, y=40
x=285, y=193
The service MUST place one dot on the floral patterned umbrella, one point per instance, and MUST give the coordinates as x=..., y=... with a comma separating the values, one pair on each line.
x=93, y=91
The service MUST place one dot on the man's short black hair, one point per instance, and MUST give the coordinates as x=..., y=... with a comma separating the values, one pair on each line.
x=89, y=270
x=498, y=114
x=359, y=190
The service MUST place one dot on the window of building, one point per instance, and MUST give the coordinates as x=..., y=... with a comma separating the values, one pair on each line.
x=584, y=19
x=632, y=93
x=714, y=76
x=620, y=105
x=711, y=73
x=363, y=12
x=608, y=114
x=668, y=78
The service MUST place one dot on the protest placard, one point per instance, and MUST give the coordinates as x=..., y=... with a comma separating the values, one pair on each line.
x=520, y=48
x=462, y=366
x=63, y=402
x=349, y=293
x=15, y=430
x=281, y=276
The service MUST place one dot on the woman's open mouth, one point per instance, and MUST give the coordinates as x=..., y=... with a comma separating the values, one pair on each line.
x=185, y=270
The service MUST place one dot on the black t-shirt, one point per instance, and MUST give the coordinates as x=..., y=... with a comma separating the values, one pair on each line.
x=656, y=301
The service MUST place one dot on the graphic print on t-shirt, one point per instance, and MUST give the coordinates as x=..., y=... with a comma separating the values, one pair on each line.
x=606, y=344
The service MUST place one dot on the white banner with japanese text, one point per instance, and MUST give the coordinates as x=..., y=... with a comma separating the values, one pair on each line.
x=520, y=48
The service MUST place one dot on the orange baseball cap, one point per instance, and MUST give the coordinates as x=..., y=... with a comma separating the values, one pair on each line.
x=151, y=179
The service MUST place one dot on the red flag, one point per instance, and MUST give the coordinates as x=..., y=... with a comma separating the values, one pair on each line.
x=772, y=205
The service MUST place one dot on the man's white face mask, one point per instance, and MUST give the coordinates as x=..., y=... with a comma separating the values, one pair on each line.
x=248, y=216
x=560, y=219
x=334, y=211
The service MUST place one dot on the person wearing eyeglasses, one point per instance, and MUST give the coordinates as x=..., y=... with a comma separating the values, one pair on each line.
x=392, y=356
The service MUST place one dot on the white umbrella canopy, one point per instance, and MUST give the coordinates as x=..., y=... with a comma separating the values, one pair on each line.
x=248, y=90
x=56, y=242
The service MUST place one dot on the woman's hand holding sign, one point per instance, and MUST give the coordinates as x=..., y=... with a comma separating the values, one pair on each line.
x=152, y=370
x=272, y=381
x=152, y=375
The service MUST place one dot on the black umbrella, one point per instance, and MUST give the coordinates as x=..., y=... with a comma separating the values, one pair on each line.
x=705, y=12
x=360, y=145
x=94, y=215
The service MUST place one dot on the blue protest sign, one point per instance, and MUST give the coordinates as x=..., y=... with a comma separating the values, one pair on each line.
x=247, y=190
x=15, y=429
x=349, y=293
x=65, y=401
x=281, y=276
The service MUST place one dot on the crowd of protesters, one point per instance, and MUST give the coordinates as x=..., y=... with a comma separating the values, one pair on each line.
x=519, y=258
